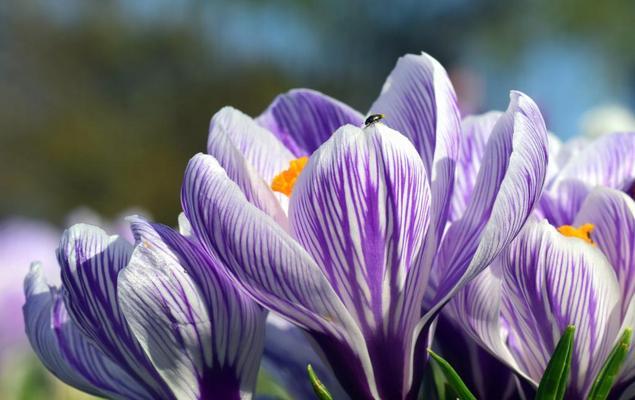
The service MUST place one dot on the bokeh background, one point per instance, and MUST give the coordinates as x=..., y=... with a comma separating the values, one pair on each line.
x=103, y=102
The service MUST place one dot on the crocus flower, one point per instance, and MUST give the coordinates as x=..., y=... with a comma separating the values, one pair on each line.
x=349, y=255
x=157, y=322
x=549, y=278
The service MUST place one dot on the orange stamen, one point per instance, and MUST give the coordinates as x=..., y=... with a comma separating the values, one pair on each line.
x=583, y=232
x=285, y=180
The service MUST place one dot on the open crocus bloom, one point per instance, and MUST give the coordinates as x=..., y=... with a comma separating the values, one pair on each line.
x=548, y=279
x=350, y=254
x=159, y=322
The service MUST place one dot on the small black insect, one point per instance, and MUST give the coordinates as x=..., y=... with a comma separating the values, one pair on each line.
x=373, y=118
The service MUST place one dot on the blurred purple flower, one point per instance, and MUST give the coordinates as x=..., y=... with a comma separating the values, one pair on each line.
x=350, y=256
x=21, y=242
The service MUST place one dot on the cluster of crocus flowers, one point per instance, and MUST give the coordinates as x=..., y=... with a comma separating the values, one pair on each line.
x=356, y=230
x=573, y=267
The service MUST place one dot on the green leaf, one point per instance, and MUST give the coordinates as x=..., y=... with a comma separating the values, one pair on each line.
x=268, y=387
x=320, y=390
x=453, y=379
x=607, y=375
x=554, y=381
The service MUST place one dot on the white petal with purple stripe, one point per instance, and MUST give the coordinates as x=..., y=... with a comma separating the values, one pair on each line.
x=65, y=351
x=202, y=334
x=252, y=156
x=551, y=281
x=361, y=208
x=90, y=262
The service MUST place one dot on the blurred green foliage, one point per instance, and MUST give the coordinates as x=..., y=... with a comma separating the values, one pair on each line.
x=106, y=114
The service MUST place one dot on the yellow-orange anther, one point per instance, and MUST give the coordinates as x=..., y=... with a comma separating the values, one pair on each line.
x=583, y=232
x=285, y=180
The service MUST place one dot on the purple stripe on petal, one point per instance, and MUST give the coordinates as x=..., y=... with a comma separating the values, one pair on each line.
x=65, y=351
x=418, y=100
x=90, y=262
x=204, y=336
x=507, y=187
x=303, y=119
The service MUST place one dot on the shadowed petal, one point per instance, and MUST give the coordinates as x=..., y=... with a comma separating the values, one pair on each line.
x=508, y=185
x=287, y=353
x=65, y=351
x=551, y=281
x=266, y=262
x=473, y=363
x=477, y=309
x=251, y=156
x=560, y=204
x=303, y=119
x=418, y=100
x=476, y=131
x=90, y=262
x=204, y=337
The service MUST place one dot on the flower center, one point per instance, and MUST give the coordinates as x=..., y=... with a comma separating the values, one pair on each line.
x=285, y=180
x=583, y=232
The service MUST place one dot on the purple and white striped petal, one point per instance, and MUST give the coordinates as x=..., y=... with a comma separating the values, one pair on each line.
x=607, y=161
x=507, y=187
x=90, y=262
x=65, y=351
x=361, y=209
x=476, y=131
x=303, y=119
x=612, y=213
x=252, y=157
x=272, y=267
x=418, y=100
x=204, y=337
x=551, y=281
x=477, y=310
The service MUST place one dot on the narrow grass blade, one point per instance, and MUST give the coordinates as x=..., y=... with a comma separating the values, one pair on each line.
x=554, y=381
x=320, y=390
x=453, y=379
x=611, y=368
